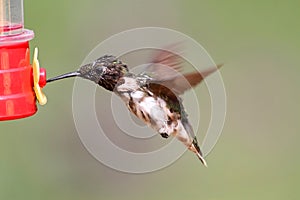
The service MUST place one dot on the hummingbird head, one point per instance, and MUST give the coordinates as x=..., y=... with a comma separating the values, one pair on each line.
x=105, y=71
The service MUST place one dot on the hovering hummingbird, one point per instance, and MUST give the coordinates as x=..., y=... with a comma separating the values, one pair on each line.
x=153, y=98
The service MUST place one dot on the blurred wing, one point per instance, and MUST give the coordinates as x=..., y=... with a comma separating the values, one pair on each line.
x=180, y=83
x=165, y=64
x=166, y=70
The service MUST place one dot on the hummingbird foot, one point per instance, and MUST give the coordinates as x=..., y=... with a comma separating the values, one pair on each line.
x=164, y=135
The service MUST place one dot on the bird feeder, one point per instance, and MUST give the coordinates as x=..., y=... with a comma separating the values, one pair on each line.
x=20, y=81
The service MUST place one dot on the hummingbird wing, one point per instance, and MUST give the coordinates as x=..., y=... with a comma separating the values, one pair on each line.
x=180, y=83
x=166, y=69
x=165, y=65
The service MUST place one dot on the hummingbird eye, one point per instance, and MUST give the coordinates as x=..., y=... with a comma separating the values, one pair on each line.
x=99, y=70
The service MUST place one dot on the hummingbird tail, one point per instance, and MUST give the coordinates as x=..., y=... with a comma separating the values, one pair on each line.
x=201, y=159
x=196, y=149
x=67, y=75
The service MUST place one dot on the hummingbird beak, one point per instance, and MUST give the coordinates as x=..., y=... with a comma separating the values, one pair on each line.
x=67, y=75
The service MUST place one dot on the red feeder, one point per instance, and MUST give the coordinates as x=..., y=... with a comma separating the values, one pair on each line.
x=17, y=97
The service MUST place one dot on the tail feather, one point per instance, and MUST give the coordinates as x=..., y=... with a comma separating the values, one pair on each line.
x=198, y=152
x=201, y=159
x=196, y=149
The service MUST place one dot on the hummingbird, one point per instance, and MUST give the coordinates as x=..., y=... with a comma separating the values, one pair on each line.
x=152, y=96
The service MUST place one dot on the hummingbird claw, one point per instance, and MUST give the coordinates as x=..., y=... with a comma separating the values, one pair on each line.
x=164, y=135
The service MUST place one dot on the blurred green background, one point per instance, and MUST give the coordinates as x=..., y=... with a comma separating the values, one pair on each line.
x=257, y=156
